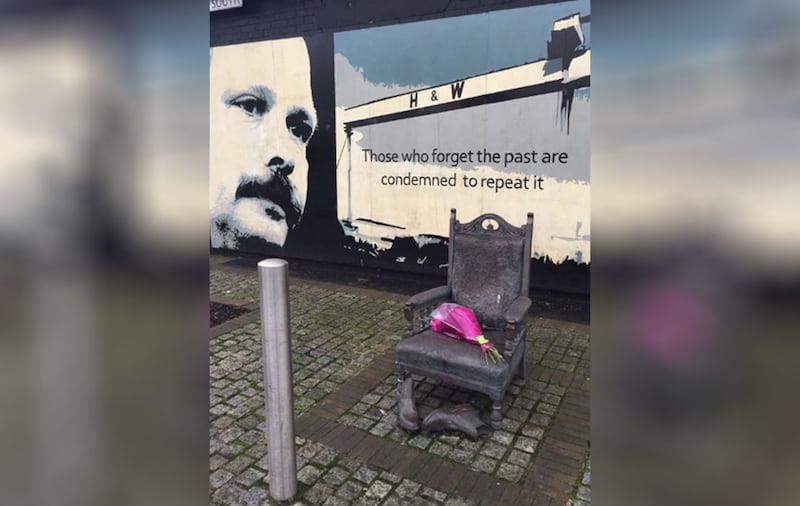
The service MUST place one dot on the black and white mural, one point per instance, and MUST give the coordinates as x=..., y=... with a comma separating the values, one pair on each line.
x=354, y=146
x=262, y=118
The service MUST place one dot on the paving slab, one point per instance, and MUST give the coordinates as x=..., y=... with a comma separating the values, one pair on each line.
x=349, y=448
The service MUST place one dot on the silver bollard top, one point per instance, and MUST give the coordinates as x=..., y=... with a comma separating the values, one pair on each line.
x=272, y=263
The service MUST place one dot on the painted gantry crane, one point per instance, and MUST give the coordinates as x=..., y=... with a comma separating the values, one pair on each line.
x=566, y=69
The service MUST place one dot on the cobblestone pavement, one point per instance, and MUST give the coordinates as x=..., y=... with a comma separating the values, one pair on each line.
x=504, y=453
x=349, y=450
x=582, y=494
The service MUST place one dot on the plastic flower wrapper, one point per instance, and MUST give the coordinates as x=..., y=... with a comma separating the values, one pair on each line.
x=459, y=322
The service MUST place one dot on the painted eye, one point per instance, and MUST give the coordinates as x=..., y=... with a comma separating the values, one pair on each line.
x=300, y=125
x=250, y=105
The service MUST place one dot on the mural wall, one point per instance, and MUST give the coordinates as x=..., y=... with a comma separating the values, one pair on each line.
x=353, y=146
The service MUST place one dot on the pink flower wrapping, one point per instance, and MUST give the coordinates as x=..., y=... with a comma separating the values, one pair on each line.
x=459, y=322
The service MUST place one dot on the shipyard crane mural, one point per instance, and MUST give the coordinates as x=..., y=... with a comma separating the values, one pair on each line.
x=392, y=173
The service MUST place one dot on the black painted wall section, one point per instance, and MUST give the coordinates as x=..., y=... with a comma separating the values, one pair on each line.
x=316, y=21
x=277, y=19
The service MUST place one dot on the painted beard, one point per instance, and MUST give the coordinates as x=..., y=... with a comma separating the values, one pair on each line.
x=280, y=196
x=261, y=211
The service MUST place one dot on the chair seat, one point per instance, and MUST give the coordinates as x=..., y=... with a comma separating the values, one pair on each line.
x=433, y=352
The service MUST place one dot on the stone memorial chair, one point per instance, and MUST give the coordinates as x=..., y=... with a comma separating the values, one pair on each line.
x=489, y=272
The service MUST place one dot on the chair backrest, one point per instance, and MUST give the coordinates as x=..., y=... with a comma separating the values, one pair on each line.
x=489, y=264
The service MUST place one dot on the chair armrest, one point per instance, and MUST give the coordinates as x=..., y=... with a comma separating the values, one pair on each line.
x=518, y=310
x=516, y=315
x=429, y=296
x=420, y=306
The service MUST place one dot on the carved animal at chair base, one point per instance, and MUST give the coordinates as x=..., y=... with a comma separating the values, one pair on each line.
x=463, y=418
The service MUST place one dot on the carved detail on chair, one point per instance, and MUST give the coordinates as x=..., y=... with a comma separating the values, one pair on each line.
x=490, y=224
x=418, y=309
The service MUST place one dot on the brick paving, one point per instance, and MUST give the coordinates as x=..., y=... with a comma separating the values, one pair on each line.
x=349, y=450
x=528, y=410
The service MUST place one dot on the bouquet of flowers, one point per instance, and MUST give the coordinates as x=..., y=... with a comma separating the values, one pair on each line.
x=459, y=322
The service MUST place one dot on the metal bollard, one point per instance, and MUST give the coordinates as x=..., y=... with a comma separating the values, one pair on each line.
x=277, y=346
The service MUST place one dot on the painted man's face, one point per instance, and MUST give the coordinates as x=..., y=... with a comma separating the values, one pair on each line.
x=262, y=117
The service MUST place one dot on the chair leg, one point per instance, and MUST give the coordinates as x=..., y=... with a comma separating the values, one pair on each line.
x=522, y=371
x=497, y=414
